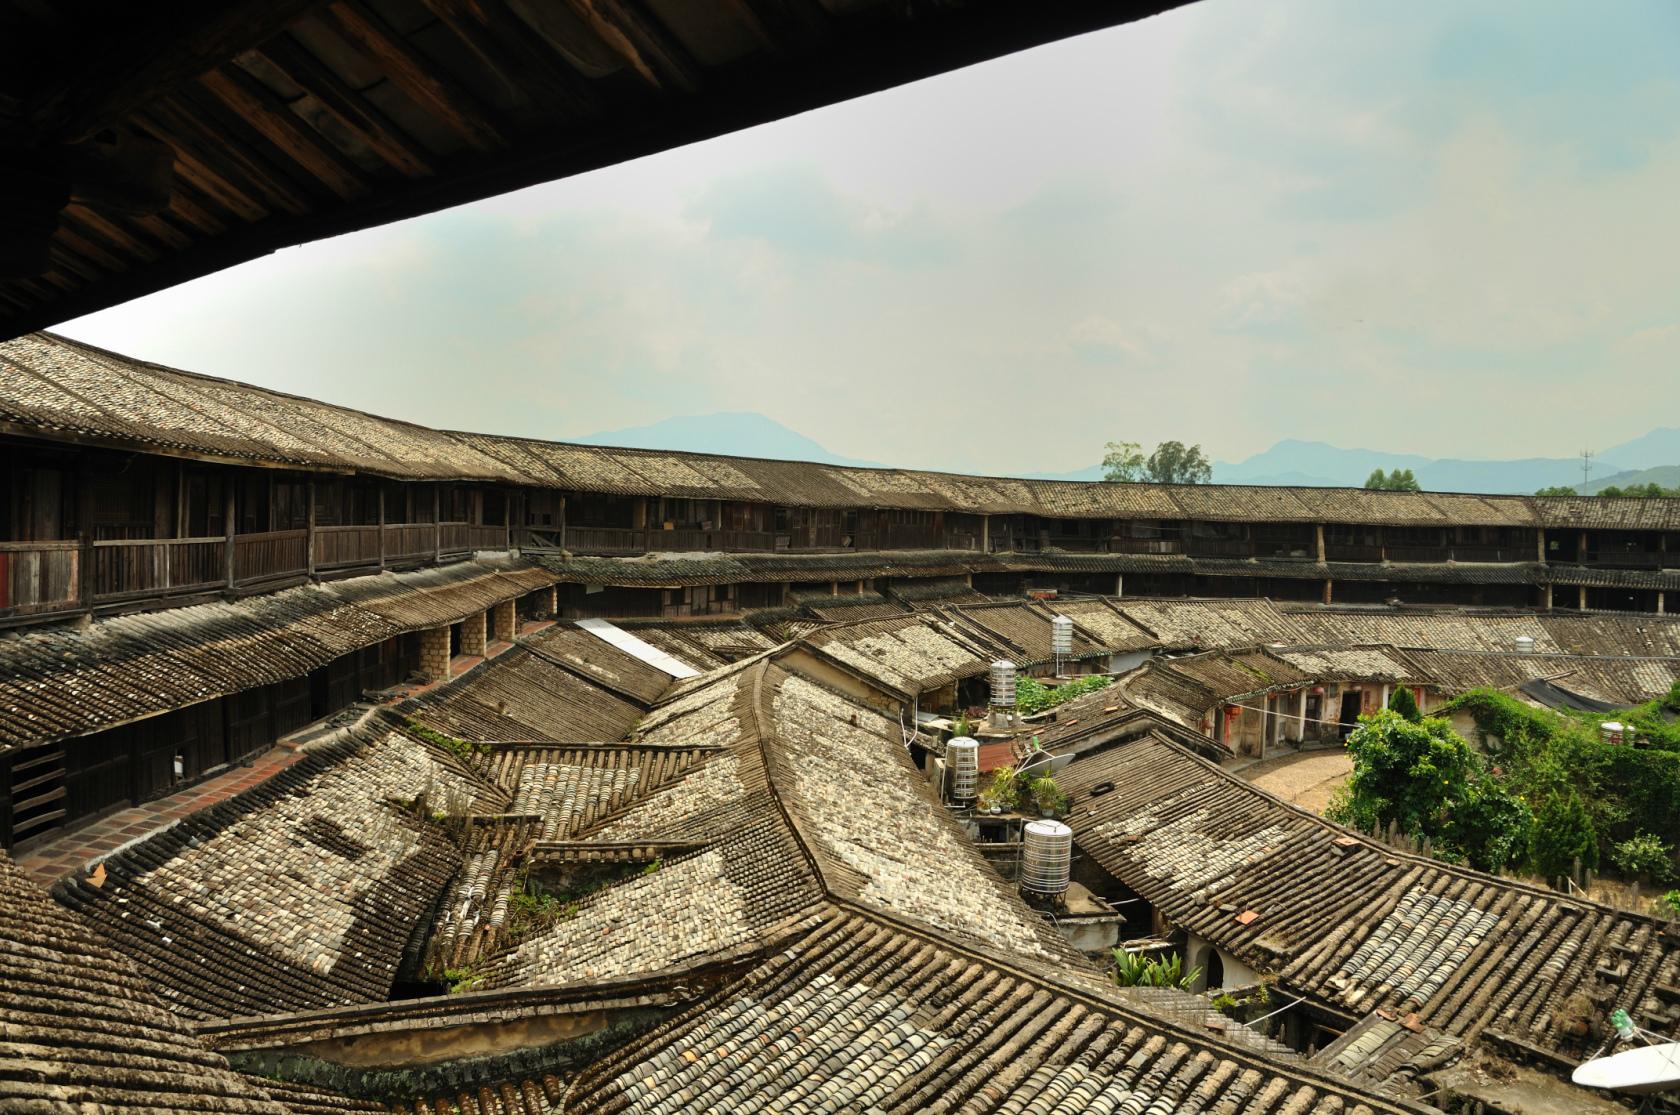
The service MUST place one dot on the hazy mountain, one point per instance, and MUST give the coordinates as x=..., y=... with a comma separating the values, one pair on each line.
x=738, y=433
x=1291, y=461
x=1666, y=475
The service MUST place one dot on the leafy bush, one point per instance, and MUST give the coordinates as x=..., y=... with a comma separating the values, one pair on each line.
x=1422, y=778
x=1669, y=904
x=1032, y=696
x=1563, y=833
x=1644, y=855
x=460, y=748
x=461, y=979
x=1047, y=795
x=1003, y=792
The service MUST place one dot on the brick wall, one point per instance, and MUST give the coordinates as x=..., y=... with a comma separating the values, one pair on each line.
x=503, y=623
x=434, y=652
x=473, y=632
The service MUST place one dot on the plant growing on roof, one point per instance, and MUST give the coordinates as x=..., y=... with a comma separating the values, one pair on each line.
x=1003, y=791
x=1133, y=969
x=1047, y=796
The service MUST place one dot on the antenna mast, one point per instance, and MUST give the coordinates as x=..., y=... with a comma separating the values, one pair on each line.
x=1586, y=467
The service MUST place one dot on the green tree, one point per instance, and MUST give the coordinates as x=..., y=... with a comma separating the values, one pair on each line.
x=1406, y=774
x=1563, y=833
x=1400, y=480
x=1175, y=463
x=1491, y=826
x=1406, y=705
x=1123, y=462
x=1557, y=490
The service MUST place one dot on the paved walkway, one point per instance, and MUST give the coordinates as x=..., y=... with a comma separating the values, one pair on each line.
x=72, y=851
x=57, y=858
x=1305, y=778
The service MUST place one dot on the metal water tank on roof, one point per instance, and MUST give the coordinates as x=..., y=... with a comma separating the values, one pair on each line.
x=1046, y=856
x=1061, y=637
x=1525, y=644
x=962, y=767
x=1003, y=684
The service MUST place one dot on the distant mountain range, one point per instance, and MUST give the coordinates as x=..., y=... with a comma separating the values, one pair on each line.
x=1654, y=456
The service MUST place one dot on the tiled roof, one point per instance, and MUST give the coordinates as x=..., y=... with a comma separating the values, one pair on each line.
x=522, y=696
x=600, y=662
x=298, y=893
x=1607, y=635
x=911, y=654
x=82, y=1032
x=56, y=387
x=1354, y=923
x=866, y=1016
x=63, y=682
x=1186, y=624
x=1106, y=623
x=1619, y=681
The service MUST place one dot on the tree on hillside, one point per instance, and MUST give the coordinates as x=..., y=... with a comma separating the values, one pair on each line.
x=1400, y=480
x=1123, y=462
x=1556, y=491
x=1175, y=463
x=1640, y=491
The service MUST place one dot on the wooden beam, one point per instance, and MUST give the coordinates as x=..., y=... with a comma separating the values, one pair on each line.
x=352, y=110
x=532, y=73
x=415, y=75
x=270, y=116
x=142, y=52
x=643, y=42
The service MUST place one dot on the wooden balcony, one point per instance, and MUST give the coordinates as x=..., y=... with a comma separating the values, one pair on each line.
x=1352, y=551
x=270, y=556
x=408, y=541
x=135, y=568
x=605, y=540
x=39, y=577
x=1145, y=546
x=345, y=546
x=1219, y=547
x=1629, y=559
x=1418, y=553
x=1479, y=552
x=464, y=538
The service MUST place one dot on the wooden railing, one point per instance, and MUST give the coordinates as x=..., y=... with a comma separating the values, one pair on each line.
x=1630, y=559
x=336, y=547
x=1219, y=547
x=486, y=537
x=1478, y=552
x=1145, y=546
x=1352, y=551
x=1417, y=553
x=157, y=567
x=605, y=540
x=270, y=555
x=39, y=576
x=409, y=540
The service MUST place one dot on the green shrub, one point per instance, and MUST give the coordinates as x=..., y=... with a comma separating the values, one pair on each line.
x=1644, y=855
x=1563, y=833
x=1406, y=705
x=1033, y=696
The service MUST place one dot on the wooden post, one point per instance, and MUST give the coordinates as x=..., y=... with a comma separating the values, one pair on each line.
x=84, y=531
x=382, y=526
x=1581, y=598
x=1328, y=589
x=228, y=509
x=562, y=523
x=1318, y=538
x=1546, y=597
x=437, y=525
x=309, y=527
x=1540, y=545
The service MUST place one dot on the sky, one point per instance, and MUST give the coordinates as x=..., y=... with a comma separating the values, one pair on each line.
x=1442, y=228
